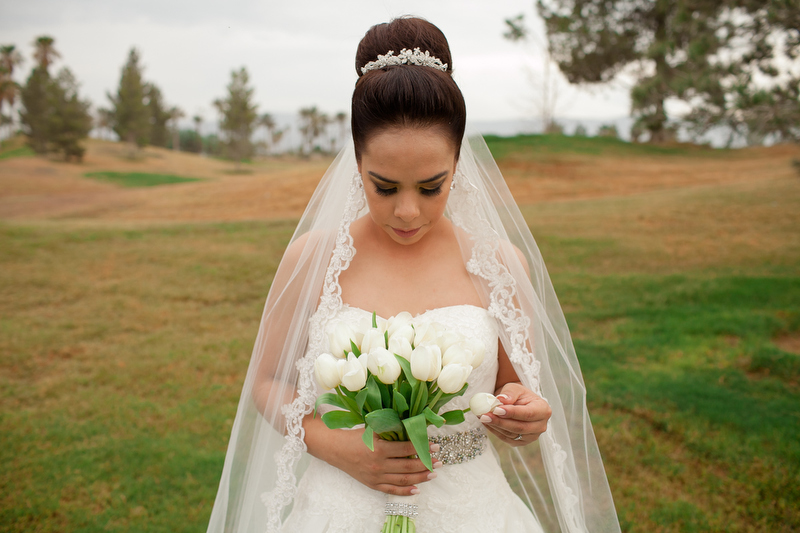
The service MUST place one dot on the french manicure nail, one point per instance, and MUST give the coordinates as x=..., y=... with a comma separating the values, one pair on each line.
x=415, y=491
x=499, y=411
x=435, y=448
x=432, y=475
x=438, y=464
x=503, y=396
x=485, y=419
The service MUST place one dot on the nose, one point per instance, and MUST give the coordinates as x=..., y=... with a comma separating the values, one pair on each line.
x=406, y=208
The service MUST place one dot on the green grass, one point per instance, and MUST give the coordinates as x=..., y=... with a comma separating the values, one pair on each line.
x=22, y=151
x=542, y=144
x=138, y=179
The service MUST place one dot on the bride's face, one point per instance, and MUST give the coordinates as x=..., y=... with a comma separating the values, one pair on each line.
x=407, y=174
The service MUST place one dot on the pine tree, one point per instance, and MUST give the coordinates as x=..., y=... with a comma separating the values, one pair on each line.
x=129, y=107
x=239, y=116
x=159, y=134
x=36, y=107
x=70, y=121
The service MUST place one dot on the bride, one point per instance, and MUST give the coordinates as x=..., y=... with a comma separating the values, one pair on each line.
x=414, y=217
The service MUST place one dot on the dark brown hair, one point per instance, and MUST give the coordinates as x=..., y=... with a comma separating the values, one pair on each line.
x=405, y=95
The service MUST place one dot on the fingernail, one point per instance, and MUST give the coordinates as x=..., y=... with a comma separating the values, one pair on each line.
x=435, y=448
x=506, y=396
x=499, y=411
x=415, y=491
x=485, y=419
x=438, y=464
x=431, y=476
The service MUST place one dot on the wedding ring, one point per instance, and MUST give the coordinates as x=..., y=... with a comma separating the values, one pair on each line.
x=518, y=437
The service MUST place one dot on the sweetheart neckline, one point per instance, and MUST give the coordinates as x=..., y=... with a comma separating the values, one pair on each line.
x=348, y=306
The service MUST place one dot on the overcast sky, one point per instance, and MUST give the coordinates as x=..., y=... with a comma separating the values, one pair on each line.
x=298, y=53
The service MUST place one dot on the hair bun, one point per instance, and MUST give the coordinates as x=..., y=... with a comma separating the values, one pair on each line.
x=400, y=33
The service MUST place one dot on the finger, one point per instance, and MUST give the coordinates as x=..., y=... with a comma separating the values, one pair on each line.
x=529, y=412
x=407, y=466
x=396, y=449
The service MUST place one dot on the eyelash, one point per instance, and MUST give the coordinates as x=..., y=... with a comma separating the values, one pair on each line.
x=424, y=192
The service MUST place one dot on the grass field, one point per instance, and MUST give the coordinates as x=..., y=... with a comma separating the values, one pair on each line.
x=127, y=316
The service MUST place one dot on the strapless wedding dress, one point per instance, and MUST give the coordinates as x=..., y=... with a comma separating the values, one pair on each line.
x=473, y=496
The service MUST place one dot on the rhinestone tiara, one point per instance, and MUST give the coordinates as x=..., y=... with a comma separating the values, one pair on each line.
x=405, y=57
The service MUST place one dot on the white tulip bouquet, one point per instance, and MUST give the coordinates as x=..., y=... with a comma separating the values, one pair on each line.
x=394, y=377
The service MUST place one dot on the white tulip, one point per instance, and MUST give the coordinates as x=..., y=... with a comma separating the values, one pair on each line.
x=398, y=321
x=447, y=339
x=452, y=377
x=482, y=403
x=326, y=371
x=401, y=346
x=383, y=364
x=406, y=332
x=425, y=333
x=457, y=354
x=478, y=351
x=354, y=372
x=426, y=362
x=373, y=338
x=339, y=339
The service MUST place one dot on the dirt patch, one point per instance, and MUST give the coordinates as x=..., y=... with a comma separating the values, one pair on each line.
x=789, y=343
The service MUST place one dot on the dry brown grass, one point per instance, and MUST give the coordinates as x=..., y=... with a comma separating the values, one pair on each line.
x=36, y=188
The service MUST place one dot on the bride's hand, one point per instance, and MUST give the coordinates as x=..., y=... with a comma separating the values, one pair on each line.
x=521, y=419
x=387, y=469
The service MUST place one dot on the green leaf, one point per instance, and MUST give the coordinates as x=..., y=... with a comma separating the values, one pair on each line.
x=367, y=438
x=354, y=348
x=386, y=339
x=361, y=398
x=374, y=320
x=417, y=429
x=419, y=397
x=406, y=366
x=373, y=394
x=386, y=394
x=330, y=399
x=433, y=418
x=348, y=398
x=452, y=418
x=383, y=421
x=400, y=403
x=447, y=397
x=341, y=419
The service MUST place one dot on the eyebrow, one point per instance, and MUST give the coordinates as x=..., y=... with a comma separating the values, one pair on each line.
x=429, y=180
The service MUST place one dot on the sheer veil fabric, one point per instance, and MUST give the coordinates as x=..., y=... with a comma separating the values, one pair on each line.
x=561, y=477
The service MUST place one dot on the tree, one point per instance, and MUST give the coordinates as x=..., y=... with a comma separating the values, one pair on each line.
x=103, y=121
x=716, y=56
x=341, y=120
x=36, y=96
x=53, y=115
x=9, y=58
x=175, y=114
x=239, y=116
x=71, y=121
x=35, y=109
x=44, y=53
x=547, y=85
x=129, y=107
x=312, y=125
x=158, y=116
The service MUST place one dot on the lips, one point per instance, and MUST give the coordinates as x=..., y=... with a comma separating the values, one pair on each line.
x=405, y=233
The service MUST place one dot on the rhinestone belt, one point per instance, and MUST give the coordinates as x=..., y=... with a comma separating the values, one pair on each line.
x=459, y=448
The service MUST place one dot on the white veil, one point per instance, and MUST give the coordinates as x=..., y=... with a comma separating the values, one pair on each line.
x=561, y=477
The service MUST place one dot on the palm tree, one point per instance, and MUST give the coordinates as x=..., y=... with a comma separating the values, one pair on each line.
x=44, y=52
x=268, y=122
x=9, y=58
x=175, y=114
x=198, y=121
x=312, y=125
x=341, y=120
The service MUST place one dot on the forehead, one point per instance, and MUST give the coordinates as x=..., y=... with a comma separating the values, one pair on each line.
x=406, y=150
